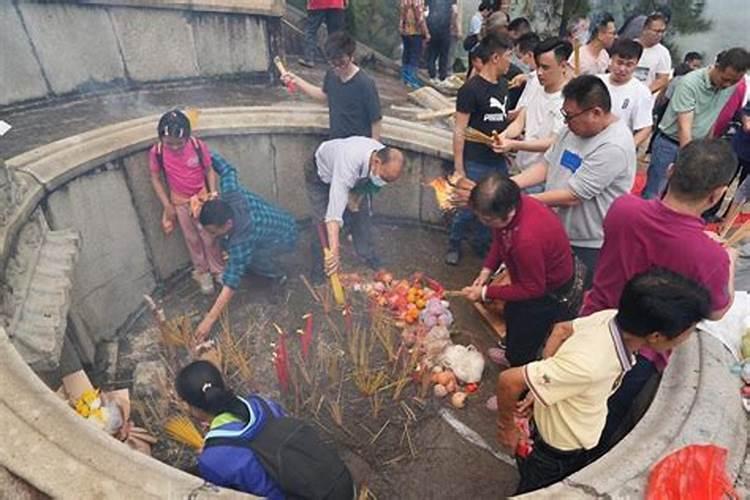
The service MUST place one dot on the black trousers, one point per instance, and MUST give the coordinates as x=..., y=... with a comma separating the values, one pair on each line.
x=589, y=256
x=438, y=50
x=528, y=324
x=547, y=465
x=626, y=405
x=358, y=223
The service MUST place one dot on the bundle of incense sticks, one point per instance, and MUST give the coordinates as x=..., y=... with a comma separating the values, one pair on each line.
x=739, y=235
x=473, y=135
x=338, y=290
x=182, y=430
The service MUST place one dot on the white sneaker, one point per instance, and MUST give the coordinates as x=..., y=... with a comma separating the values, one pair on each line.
x=205, y=281
x=434, y=82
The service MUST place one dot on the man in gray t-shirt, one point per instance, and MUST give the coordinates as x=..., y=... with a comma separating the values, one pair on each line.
x=591, y=163
x=340, y=180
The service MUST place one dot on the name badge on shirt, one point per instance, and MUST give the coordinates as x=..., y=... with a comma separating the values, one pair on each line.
x=570, y=160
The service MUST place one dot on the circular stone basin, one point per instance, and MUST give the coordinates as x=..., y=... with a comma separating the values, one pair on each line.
x=96, y=183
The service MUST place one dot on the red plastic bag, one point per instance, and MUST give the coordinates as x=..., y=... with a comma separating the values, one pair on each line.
x=695, y=472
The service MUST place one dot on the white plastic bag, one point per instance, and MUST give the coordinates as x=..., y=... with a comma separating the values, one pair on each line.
x=466, y=362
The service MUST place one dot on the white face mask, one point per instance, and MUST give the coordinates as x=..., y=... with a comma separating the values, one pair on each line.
x=377, y=181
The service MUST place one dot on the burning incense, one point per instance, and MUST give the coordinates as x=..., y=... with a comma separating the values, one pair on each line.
x=182, y=430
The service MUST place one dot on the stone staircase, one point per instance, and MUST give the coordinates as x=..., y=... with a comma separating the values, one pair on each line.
x=39, y=276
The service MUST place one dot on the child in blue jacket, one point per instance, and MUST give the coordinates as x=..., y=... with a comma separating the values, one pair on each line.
x=200, y=384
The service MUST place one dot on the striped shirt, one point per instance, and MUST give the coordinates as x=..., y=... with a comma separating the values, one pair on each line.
x=257, y=225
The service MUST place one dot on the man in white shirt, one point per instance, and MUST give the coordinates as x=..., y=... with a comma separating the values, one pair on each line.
x=539, y=119
x=631, y=100
x=339, y=181
x=655, y=63
x=593, y=57
x=477, y=20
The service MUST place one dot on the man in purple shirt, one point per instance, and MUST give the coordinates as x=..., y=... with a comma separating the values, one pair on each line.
x=642, y=234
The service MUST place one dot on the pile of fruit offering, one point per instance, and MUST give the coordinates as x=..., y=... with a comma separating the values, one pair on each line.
x=405, y=298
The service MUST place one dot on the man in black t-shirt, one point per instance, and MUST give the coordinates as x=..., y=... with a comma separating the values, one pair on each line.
x=482, y=104
x=353, y=101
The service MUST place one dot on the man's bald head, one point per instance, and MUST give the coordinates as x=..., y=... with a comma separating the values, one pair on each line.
x=388, y=163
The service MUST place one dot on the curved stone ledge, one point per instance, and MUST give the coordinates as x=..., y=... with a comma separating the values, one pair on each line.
x=696, y=401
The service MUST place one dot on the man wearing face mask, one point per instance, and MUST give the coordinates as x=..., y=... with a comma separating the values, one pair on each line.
x=340, y=181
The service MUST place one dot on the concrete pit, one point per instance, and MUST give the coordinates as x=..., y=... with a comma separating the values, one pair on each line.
x=74, y=201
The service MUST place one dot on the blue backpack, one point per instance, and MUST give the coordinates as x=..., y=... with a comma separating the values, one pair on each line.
x=292, y=453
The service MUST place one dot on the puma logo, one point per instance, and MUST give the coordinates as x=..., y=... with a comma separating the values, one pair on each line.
x=495, y=103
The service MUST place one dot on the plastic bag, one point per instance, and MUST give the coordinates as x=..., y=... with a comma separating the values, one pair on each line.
x=695, y=472
x=466, y=362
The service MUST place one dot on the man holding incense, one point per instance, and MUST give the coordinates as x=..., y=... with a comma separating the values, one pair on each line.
x=530, y=240
x=658, y=309
x=482, y=104
x=340, y=181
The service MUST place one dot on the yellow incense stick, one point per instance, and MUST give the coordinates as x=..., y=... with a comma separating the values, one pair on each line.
x=182, y=430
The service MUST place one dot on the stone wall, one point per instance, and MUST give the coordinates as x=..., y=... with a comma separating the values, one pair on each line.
x=49, y=49
x=98, y=184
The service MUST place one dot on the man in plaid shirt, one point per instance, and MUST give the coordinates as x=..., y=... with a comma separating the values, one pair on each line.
x=251, y=230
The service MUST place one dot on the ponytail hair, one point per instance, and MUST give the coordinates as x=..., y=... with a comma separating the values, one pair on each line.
x=174, y=123
x=200, y=384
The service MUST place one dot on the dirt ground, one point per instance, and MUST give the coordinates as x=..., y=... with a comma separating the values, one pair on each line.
x=429, y=460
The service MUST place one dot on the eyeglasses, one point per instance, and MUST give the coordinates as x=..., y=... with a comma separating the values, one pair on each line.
x=339, y=62
x=569, y=118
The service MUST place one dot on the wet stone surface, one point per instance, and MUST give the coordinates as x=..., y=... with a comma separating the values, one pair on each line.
x=431, y=459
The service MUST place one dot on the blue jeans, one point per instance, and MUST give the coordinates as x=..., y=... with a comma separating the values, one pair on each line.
x=410, y=57
x=663, y=154
x=464, y=219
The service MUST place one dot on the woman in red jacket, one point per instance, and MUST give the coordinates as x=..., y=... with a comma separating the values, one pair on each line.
x=528, y=238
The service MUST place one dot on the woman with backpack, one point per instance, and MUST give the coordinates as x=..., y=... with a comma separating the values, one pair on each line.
x=252, y=446
x=186, y=164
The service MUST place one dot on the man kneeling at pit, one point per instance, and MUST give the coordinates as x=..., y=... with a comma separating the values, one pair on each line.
x=569, y=389
x=252, y=232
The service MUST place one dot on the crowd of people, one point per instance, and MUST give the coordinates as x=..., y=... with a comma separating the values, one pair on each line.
x=603, y=284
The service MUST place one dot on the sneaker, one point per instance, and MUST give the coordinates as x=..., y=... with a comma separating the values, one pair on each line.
x=205, y=281
x=219, y=278
x=453, y=256
x=305, y=62
x=434, y=82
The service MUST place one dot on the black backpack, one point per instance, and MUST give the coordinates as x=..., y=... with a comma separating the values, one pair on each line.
x=292, y=453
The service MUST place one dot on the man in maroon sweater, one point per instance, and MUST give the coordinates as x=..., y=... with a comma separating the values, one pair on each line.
x=530, y=240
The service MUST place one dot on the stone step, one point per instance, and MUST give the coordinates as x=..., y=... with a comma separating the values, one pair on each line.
x=40, y=320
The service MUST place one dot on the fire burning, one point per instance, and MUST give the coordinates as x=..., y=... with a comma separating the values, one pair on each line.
x=452, y=193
